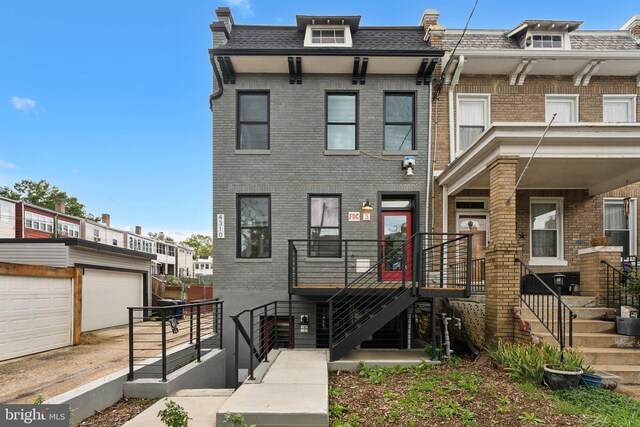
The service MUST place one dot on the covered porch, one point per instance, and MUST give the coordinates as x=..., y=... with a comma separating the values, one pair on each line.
x=550, y=219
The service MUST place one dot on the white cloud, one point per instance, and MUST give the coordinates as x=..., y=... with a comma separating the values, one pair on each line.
x=23, y=104
x=7, y=165
x=243, y=5
x=127, y=228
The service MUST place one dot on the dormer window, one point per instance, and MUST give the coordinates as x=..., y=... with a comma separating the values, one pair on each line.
x=327, y=36
x=546, y=41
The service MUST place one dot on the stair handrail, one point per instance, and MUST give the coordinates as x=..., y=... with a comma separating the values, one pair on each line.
x=564, y=313
x=615, y=287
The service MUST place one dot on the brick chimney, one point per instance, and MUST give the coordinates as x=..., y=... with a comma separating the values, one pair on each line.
x=224, y=16
x=106, y=219
x=138, y=230
x=60, y=206
x=434, y=32
x=633, y=26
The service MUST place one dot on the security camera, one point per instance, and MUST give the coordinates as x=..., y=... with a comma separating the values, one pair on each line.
x=408, y=163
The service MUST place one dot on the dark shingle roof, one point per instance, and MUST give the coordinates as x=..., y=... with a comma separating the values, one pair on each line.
x=580, y=40
x=366, y=38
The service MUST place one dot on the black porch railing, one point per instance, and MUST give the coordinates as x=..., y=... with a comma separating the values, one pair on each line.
x=616, y=280
x=554, y=314
x=277, y=325
x=459, y=271
x=162, y=339
x=330, y=263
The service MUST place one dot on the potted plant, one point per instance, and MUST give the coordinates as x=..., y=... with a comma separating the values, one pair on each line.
x=600, y=241
x=563, y=375
x=627, y=323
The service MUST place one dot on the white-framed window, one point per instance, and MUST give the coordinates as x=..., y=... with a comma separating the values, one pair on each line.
x=474, y=116
x=619, y=108
x=328, y=35
x=114, y=242
x=35, y=221
x=69, y=229
x=565, y=105
x=620, y=223
x=546, y=41
x=546, y=231
x=5, y=212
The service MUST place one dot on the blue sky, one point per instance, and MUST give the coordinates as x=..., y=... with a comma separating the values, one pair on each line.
x=108, y=99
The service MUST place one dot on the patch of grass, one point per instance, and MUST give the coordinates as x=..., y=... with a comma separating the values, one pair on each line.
x=530, y=417
x=335, y=391
x=450, y=408
x=604, y=407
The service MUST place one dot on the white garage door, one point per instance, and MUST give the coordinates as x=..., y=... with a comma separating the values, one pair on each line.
x=35, y=315
x=106, y=296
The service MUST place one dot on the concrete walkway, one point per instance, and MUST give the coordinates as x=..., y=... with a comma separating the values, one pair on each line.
x=294, y=392
x=200, y=404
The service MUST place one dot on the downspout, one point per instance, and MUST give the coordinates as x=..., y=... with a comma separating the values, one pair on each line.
x=429, y=170
x=217, y=94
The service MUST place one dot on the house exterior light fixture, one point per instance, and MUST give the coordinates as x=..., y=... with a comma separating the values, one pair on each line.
x=366, y=206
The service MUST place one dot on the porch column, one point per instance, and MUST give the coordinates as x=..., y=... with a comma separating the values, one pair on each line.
x=502, y=274
x=593, y=273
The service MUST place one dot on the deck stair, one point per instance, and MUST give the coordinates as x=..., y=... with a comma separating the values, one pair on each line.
x=603, y=348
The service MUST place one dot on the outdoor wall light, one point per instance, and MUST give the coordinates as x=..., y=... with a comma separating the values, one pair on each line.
x=366, y=206
x=304, y=324
x=558, y=279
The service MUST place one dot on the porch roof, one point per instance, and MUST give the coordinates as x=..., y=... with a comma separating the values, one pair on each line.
x=597, y=157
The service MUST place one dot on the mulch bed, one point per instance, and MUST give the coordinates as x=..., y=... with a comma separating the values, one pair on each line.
x=454, y=394
x=119, y=413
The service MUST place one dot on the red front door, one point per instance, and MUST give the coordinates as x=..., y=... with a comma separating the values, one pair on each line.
x=395, y=229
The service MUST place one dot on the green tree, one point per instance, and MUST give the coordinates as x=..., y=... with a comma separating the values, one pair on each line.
x=201, y=244
x=42, y=193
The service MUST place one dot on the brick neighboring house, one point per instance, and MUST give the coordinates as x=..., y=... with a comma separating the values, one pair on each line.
x=500, y=88
x=35, y=222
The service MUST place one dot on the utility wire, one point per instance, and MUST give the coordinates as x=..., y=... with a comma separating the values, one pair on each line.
x=530, y=159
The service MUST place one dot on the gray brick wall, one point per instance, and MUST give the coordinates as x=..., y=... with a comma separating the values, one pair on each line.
x=297, y=167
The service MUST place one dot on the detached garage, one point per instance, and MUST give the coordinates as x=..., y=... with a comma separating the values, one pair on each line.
x=51, y=290
x=119, y=289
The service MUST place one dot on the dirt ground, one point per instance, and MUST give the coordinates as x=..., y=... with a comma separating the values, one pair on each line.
x=119, y=413
x=57, y=371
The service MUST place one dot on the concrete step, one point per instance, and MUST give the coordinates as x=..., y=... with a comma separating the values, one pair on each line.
x=611, y=356
x=587, y=339
x=294, y=392
x=629, y=374
x=570, y=300
x=587, y=313
x=579, y=325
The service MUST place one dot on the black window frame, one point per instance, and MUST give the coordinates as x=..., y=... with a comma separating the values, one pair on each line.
x=310, y=227
x=384, y=119
x=328, y=93
x=239, y=226
x=239, y=122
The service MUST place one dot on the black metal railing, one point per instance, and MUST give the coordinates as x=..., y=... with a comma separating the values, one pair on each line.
x=162, y=339
x=616, y=282
x=445, y=261
x=277, y=325
x=331, y=263
x=477, y=274
x=547, y=306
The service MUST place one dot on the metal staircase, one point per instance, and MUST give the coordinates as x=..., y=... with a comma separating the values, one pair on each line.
x=374, y=298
